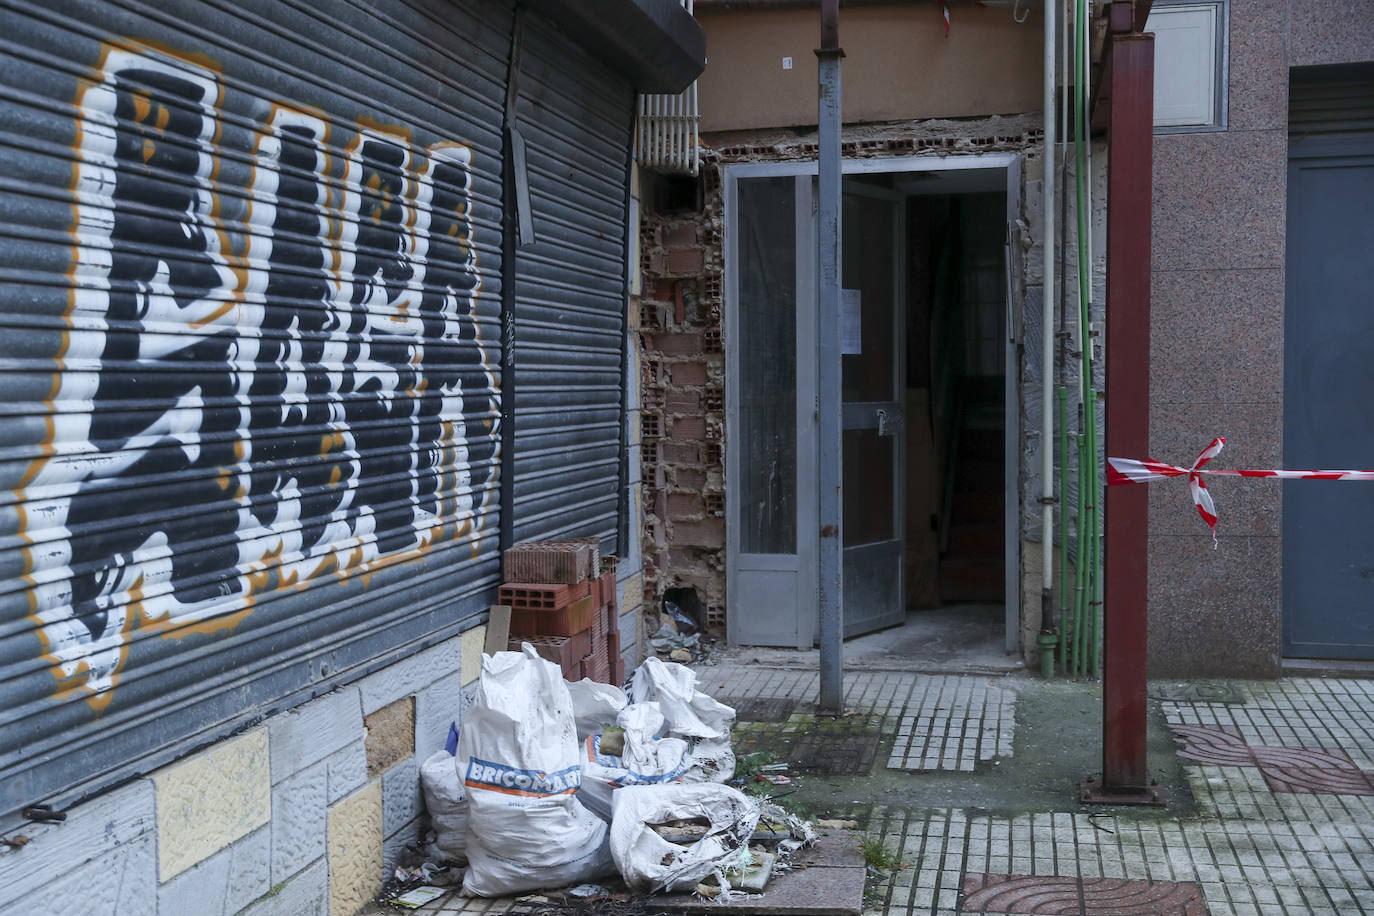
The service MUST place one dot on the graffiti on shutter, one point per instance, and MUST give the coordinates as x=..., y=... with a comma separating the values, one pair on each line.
x=258, y=386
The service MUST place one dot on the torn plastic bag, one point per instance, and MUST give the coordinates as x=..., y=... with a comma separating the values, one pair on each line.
x=594, y=705
x=645, y=759
x=689, y=714
x=648, y=862
x=526, y=827
x=447, y=805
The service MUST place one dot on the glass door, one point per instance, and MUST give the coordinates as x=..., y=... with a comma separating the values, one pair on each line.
x=770, y=358
x=873, y=379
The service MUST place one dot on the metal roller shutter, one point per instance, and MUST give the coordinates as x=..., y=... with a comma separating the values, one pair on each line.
x=575, y=115
x=250, y=264
x=1334, y=101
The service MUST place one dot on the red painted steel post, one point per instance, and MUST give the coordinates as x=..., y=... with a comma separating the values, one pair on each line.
x=1129, y=183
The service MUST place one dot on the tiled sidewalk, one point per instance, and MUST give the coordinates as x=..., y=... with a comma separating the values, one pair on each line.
x=1286, y=826
x=935, y=722
x=1284, y=823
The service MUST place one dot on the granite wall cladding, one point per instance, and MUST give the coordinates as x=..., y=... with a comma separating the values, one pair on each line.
x=1217, y=362
x=1218, y=345
x=1330, y=32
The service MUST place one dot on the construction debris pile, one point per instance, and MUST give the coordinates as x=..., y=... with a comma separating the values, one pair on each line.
x=554, y=782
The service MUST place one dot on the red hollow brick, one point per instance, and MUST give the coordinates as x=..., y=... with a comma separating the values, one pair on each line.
x=679, y=453
x=684, y=505
x=688, y=261
x=676, y=344
x=680, y=236
x=689, y=478
x=706, y=533
x=682, y=401
x=689, y=428
x=688, y=374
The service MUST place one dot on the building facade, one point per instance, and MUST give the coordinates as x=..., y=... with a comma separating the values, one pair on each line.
x=1254, y=261
x=1255, y=331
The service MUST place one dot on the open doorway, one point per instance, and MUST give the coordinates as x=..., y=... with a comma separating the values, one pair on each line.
x=952, y=243
x=928, y=427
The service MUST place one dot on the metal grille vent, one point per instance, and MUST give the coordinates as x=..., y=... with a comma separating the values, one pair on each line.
x=666, y=130
x=1331, y=100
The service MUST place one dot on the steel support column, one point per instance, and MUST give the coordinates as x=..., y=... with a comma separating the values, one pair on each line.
x=1129, y=164
x=830, y=455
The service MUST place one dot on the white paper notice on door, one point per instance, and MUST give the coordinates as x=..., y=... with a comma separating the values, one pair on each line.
x=851, y=322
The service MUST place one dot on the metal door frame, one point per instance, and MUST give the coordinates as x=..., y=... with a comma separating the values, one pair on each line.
x=807, y=475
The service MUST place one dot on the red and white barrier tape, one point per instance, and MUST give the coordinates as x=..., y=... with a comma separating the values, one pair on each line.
x=1132, y=470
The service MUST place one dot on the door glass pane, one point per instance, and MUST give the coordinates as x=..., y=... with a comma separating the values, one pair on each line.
x=868, y=268
x=766, y=494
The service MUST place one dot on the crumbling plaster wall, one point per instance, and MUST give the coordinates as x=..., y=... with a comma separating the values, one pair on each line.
x=1028, y=265
x=682, y=402
x=680, y=316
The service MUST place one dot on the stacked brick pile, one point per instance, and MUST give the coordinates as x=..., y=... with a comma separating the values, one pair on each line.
x=562, y=601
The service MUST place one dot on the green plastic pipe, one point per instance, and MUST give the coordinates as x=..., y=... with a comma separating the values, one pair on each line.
x=1089, y=545
x=1061, y=395
x=1080, y=599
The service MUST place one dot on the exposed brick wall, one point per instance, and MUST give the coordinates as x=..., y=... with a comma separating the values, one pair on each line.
x=683, y=380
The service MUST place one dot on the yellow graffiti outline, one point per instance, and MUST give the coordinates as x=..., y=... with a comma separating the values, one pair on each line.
x=268, y=577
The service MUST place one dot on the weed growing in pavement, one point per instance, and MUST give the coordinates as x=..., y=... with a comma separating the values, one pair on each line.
x=878, y=857
x=880, y=864
x=749, y=768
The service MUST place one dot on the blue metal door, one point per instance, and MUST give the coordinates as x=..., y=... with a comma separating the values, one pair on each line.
x=1328, y=536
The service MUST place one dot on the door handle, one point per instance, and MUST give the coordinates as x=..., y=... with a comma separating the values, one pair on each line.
x=889, y=423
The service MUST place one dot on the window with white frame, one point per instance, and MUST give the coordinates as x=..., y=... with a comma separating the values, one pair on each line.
x=1190, y=64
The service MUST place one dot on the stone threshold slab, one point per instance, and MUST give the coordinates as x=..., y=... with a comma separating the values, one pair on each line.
x=828, y=880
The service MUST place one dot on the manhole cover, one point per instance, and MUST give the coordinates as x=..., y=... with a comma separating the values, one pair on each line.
x=833, y=755
x=760, y=709
x=1199, y=692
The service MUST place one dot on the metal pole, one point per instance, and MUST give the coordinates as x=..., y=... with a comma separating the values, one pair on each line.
x=1128, y=407
x=1125, y=778
x=831, y=584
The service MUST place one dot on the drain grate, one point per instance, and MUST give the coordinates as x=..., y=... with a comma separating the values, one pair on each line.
x=833, y=755
x=760, y=709
x=1199, y=692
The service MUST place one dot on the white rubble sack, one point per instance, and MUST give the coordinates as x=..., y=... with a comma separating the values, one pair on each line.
x=650, y=863
x=689, y=714
x=526, y=827
x=645, y=760
x=447, y=805
x=594, y=705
